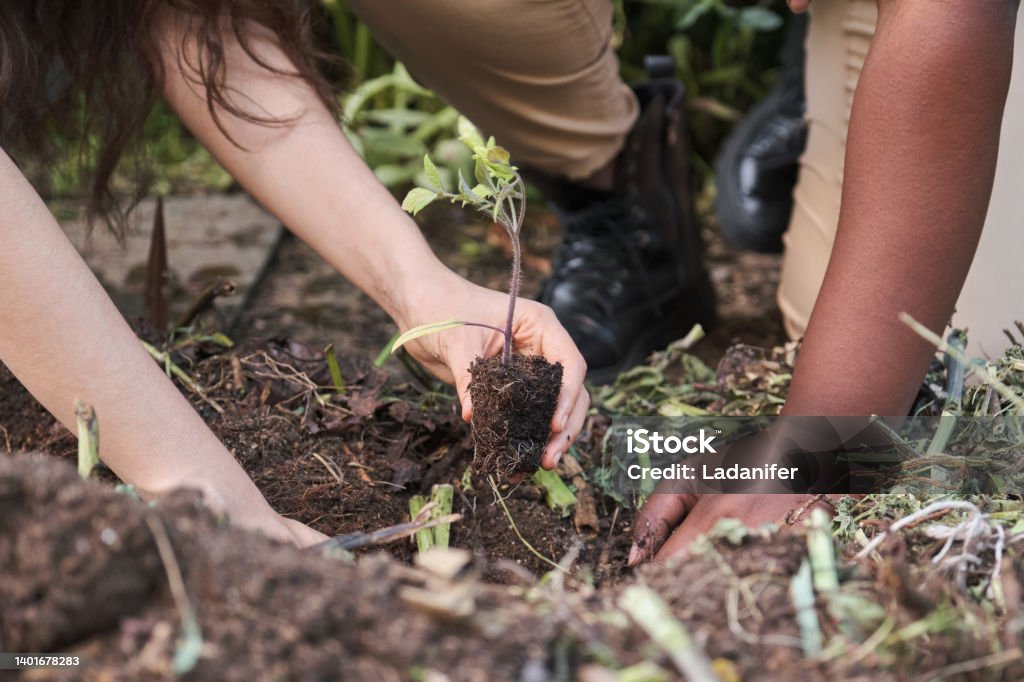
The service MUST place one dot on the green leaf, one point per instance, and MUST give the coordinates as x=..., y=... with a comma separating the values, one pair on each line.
x=393, y=174
x=421, y=180
x=418, y=199
x=480, y=171
x=482, y=191
x=468, y=192
x=402, y=118
x=425, y=330
x=759, y=19
x=499, y=155
x=390, y=145
x=432, y=175
x=335, y=370
x=693, y=15
x=468, y=134
x=496, y=160
x=385, y=352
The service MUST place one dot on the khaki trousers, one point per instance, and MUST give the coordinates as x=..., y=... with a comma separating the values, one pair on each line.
x=838, y=38
x=540, y=74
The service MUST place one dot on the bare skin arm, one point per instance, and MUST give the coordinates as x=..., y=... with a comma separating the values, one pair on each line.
x=64, y=339
x=920, y=161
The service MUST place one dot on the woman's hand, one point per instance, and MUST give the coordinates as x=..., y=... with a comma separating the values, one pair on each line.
x=290, y=531
x=449, y=354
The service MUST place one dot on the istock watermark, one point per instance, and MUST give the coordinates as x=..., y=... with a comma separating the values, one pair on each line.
x=643, y=441
x=837, y=455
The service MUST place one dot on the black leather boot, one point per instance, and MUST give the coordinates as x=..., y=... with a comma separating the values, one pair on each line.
x=757, y=166
x=628, y=279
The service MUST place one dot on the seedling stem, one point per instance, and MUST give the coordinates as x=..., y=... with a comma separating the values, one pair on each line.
x=501, y=195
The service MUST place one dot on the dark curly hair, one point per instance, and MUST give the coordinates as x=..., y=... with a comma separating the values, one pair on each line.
x=91, y=71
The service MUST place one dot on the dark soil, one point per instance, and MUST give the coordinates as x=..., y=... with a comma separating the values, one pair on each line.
x=82, y=572
x=352, y=463
x=512, y=409
x=83, y=575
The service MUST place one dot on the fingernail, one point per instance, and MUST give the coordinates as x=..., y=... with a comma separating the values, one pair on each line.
x=634, y=556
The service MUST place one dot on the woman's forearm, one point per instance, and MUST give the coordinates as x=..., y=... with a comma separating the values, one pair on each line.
x=63, y=338
x=920, y=160
x=308, y=175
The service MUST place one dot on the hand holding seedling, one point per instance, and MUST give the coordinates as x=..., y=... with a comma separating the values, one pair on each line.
x=517, y=390
x=535, y=330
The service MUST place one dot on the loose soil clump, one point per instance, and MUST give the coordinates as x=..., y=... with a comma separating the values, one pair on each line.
x=512, y=409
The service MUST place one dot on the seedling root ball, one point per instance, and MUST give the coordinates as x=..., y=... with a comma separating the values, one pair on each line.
x=512, y=408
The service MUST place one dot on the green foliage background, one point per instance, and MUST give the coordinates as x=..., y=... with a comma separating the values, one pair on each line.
x=725, y=50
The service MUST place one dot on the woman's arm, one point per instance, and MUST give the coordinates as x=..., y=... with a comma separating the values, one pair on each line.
x=307, y=174
x=63, y=338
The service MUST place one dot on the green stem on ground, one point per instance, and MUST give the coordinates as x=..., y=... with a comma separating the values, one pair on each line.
x=335, y=369
x=424, y=537
x=442, y=495
x=556, y=493
x=655, y=618
x=88, y=438
x=190, y=642
x=172, y=369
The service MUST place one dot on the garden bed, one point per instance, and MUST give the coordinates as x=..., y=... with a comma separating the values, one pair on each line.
x=88, y=570
x=84, y=573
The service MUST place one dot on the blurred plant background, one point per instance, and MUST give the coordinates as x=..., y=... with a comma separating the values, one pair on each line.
x=726, y=53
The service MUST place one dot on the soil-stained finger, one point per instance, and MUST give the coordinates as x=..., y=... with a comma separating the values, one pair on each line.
x=656, y=520
x=574, y=372
x=560, y=442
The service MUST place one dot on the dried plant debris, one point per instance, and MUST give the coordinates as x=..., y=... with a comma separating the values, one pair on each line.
x=748, y=381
